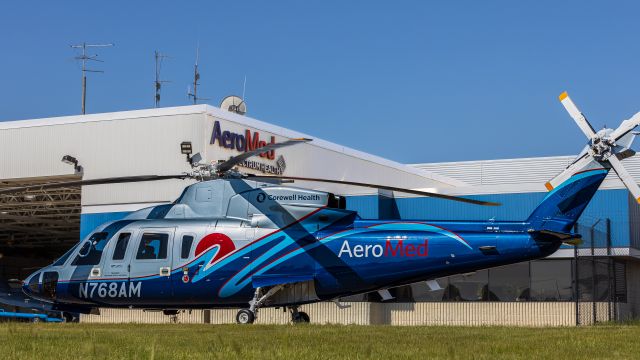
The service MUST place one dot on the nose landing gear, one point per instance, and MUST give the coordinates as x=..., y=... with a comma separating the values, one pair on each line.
x=248, y=316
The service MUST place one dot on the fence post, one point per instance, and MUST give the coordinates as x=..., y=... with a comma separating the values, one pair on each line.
x=576, y=288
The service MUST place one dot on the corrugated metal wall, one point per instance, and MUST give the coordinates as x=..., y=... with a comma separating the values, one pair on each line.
x=121, y=316
x=634, y=222
x=517, y=171
x=611, y=204
x=362, y=313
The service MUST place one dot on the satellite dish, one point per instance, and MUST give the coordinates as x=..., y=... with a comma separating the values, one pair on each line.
x=234, y=104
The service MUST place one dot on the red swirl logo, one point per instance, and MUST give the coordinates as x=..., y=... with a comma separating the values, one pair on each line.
x=210, y=241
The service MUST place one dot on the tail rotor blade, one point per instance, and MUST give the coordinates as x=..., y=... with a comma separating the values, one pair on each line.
x=626, y=178
x=626, y=127
x=577, y=116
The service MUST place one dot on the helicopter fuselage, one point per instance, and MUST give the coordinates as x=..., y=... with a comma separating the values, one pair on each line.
x=325, y=254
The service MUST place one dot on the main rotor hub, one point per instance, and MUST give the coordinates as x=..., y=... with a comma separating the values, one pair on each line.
x=601, y=146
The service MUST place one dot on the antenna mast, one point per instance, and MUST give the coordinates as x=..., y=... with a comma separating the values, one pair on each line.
x=84, y=58
x=196, y=76
x=158, y=83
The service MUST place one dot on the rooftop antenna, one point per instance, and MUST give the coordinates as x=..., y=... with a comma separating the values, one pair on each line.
x=244, y=87
x=196, y=76
x=84, y=58
x=158, y=83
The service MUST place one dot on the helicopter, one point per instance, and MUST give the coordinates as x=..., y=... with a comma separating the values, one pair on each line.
x=245, y=241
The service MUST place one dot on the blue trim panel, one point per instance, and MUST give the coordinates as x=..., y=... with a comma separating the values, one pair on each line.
x=89, y=222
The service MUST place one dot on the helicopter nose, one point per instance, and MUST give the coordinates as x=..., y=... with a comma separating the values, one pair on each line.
x=31, y=285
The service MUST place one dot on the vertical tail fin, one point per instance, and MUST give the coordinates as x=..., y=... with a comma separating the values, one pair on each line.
x=564, y=204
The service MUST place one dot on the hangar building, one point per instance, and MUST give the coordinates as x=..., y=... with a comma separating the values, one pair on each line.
x=594, y=282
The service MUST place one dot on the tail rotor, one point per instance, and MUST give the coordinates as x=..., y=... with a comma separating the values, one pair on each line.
x=606, y=149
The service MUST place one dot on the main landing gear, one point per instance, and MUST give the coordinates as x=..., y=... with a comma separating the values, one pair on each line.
x=248, y=316
x=298, y=317
x=245, y=316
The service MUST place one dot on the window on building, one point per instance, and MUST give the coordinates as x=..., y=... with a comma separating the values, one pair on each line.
x=472, y=287
x=153, y=246
x=91, y=250
x=551, y=280
x=187, y=241
x=422, y=292
x=593, y=279
x=121, y=246
x=354, y=298
x=510, y=283
x=620, y=281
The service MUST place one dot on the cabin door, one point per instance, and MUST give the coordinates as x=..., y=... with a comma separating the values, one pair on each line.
x=150, y=266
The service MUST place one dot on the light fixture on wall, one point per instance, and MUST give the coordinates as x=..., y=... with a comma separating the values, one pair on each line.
x=68, y=159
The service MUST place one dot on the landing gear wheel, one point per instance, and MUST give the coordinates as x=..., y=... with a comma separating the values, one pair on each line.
x=245, y=316
x=300, y=317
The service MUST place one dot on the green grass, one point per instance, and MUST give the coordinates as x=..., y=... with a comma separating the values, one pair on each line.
x=98, y=341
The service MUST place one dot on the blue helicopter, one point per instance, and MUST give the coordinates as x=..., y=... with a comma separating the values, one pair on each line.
x=250, y=241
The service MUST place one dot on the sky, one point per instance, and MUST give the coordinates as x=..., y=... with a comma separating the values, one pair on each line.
x=412, y=81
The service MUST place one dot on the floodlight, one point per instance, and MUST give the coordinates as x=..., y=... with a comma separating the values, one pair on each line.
x=68, y=159
x=186, y=148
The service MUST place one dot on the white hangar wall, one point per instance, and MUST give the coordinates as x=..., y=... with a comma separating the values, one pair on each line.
x=145, y=142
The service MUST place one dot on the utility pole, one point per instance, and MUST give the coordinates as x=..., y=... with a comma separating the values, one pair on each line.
x=84, y=58
x=158, y=83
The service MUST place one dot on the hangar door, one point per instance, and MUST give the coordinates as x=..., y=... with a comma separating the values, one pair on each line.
x=36, y=226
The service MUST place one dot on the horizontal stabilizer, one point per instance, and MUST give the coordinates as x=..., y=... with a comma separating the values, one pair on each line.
x=566, y=238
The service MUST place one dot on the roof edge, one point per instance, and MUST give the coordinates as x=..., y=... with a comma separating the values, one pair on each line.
x=241, y=119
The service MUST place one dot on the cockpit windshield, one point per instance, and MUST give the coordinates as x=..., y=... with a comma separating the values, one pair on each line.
x=63, y=258
x=91, y=250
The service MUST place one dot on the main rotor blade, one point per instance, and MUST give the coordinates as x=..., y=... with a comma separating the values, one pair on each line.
x=626, y=178
x=625, y=127
x=229, y=164
x=112, y=180
x=383, y=187
x=577, y=116
x=576, y=166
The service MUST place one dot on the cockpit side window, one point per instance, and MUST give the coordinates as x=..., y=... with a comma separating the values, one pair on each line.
x=91, y=250
x=187, y=241
x=153, y=246
x=121, y=246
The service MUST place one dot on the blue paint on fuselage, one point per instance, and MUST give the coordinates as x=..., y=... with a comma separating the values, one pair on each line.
x=345, y=256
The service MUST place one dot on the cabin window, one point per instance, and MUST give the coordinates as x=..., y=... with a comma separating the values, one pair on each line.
x=153, y=246
x=121, y=246
x=91, y=250
x=187, y=240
